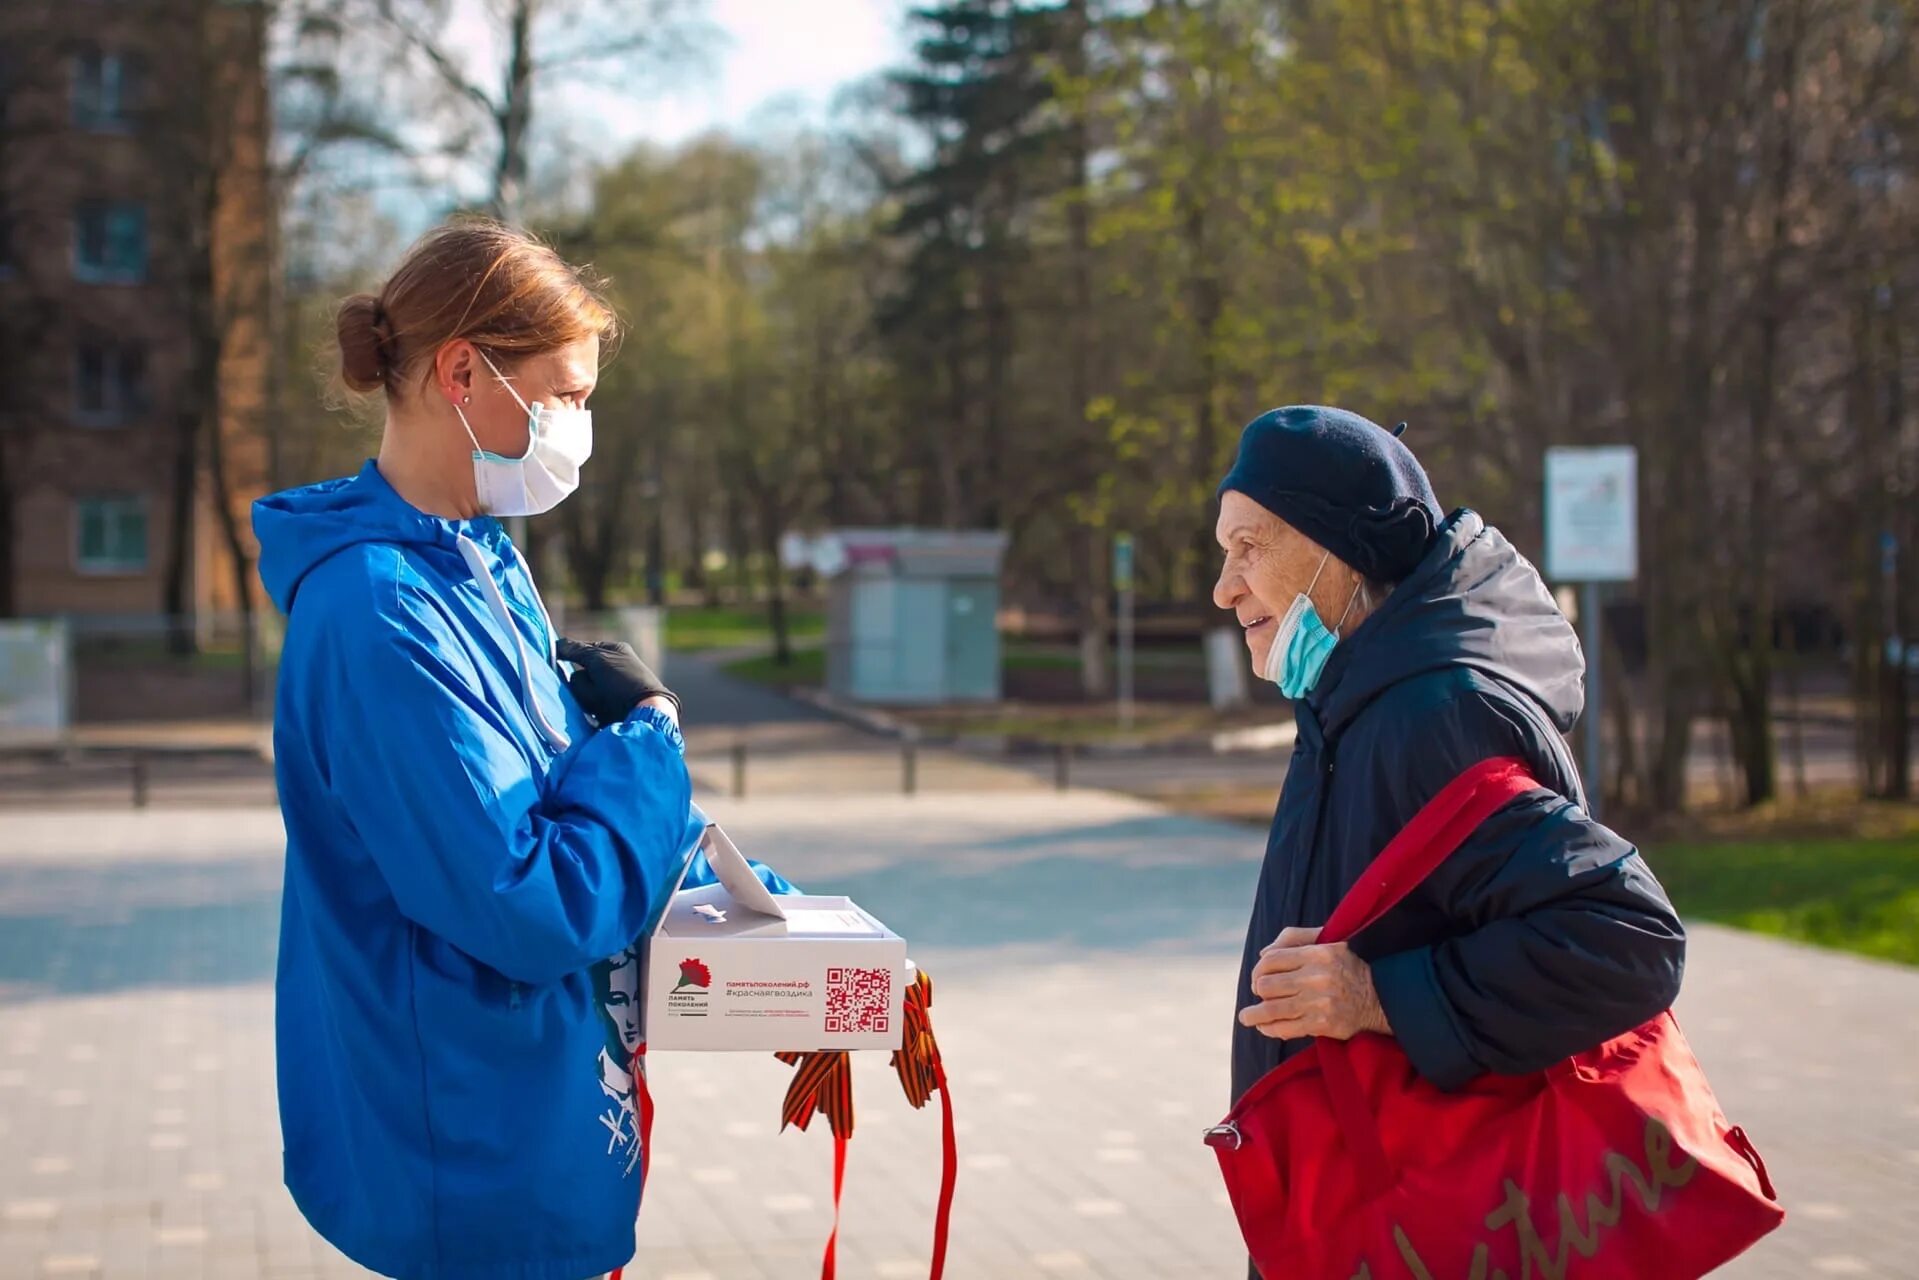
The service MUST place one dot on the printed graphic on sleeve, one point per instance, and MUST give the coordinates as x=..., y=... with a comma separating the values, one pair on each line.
x=617, y=984
x=859, y=1000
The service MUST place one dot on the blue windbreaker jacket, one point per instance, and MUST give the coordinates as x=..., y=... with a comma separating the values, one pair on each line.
x=469, y=867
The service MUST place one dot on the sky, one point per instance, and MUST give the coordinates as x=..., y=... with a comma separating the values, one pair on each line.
x=778, y=59
x=773, y=64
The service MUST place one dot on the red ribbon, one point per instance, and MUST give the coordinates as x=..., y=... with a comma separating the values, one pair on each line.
x=921, y=1073
x=823, y=1084
x=645, y=1097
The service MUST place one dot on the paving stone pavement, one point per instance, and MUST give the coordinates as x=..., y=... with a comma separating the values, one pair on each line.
x=1084, y=950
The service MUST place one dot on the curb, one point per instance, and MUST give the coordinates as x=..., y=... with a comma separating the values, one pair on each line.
x=874, y=722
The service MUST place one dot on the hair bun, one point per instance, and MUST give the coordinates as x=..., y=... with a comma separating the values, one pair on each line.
x=365, y=339
x=1389, y=542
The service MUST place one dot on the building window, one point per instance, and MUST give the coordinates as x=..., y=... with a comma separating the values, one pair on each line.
x=110, y=242
x=110, y=535
x=104, y=87
x=109, y=383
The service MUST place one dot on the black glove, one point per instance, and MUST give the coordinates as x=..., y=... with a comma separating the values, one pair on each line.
x=611, y=679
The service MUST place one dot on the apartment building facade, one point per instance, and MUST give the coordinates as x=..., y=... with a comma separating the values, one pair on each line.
x=135, y=304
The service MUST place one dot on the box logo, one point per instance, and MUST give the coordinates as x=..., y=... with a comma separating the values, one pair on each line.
x=688, y=998
x=694, y=974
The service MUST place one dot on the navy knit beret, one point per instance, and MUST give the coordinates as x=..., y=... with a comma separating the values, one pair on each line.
x=1343, y=481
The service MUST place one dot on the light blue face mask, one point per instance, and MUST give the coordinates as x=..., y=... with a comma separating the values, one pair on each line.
x=1302, y=643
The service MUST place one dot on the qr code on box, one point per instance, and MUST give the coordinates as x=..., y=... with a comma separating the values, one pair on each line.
x=859, y=1001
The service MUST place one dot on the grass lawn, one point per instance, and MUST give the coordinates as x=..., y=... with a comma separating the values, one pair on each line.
x=1858, y=894
x=1078, y=724
x=807, y=668
x=1034, y=656
x=148, y=652
x=690, y=630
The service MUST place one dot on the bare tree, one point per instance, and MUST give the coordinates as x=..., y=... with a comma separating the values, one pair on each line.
x=529, y=43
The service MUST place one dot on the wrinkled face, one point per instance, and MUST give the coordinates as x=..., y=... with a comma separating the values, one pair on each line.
x=1268, y=562
x=563, y=376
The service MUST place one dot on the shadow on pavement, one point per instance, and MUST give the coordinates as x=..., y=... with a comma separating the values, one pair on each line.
x=73, y=931
x=156, y=925
x=1061, y=901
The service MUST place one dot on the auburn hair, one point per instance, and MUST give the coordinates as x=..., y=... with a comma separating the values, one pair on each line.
x=498, y=287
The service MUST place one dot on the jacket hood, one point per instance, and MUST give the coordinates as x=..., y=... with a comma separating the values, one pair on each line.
x=1473, y=601
x=300, y=528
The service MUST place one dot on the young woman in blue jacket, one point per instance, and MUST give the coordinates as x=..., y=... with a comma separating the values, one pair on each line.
x=476, y=840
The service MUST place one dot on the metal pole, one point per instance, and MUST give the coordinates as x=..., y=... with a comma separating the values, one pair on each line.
x=1126, y=659
x=909, y=766
x=139, y=780
x=1062, y=767
x=739, y=768
x=1595, y=716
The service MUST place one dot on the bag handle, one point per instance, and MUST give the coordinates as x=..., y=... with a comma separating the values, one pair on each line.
x=1434, y=833
x=1428, y=840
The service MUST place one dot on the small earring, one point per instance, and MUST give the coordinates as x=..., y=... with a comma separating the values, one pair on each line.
x=466, y=399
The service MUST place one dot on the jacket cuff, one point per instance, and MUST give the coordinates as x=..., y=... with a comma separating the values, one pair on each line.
x=1409, y=993
x=654, y=718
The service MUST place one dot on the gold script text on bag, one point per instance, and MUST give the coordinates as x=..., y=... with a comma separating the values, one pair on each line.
x=1577, y=1237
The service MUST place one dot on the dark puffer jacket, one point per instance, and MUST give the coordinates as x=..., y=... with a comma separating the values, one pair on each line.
x=1545, y=933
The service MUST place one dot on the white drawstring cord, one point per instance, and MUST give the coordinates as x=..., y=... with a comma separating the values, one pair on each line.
x=491, y=590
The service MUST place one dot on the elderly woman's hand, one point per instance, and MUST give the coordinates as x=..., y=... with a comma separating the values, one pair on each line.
x=1310, y=990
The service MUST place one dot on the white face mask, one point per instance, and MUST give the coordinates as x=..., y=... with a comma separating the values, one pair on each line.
x=559, y=441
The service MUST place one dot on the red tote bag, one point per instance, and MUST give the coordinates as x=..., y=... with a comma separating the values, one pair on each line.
x=1616, y=1164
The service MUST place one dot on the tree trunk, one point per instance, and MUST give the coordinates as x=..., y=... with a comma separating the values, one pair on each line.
x=772, y=528
x=1625, y=745
x=656, y=555
x=515, y=116
x=590, y=548
x=1089, y=541
x=241, y=563
x=1796, y=713
x=739, y=550
x=1895, y=718
x=1687, y=587
x=9, y=521
x=1750, y=723
x=991, y=510
x=176, y=582
x=946, y=445
x=1863, y=557
x=1096, y=613
x=699, y=512
x=1896, y=713
x=1208, y=304
x=1754, y=665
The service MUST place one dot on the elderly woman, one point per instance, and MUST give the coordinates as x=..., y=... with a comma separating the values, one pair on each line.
x=1415, y=646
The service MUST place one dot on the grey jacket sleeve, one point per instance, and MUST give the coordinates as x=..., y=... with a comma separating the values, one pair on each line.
x=1551, y=936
